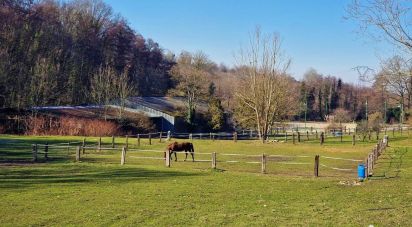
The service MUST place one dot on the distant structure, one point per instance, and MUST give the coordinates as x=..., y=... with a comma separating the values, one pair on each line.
x=165, y=112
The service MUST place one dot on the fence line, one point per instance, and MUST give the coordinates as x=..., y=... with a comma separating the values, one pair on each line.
x=346, y=159
x=370, y=160
x=336, y=168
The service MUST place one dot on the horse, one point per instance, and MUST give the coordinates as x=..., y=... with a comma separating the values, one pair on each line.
x=177, y=147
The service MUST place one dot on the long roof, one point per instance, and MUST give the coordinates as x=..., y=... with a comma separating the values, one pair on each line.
x=169, y=105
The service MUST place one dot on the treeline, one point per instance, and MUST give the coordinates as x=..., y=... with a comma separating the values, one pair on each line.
x=79, y=52
x=50, y=51
x=321, y=96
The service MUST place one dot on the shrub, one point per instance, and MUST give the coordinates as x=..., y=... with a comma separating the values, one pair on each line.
x=42, y=125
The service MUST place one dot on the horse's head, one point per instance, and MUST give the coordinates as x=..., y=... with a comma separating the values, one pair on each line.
x=171, y=146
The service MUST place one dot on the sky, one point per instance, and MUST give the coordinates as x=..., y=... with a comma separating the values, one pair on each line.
x=314, y=33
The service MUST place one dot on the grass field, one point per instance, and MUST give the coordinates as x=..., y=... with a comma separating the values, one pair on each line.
x=99, y=191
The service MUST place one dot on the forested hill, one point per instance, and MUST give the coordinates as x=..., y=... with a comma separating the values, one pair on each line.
x=54, y=53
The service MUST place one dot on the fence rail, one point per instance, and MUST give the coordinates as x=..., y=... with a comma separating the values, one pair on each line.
x=38, y=150
x=79, y=147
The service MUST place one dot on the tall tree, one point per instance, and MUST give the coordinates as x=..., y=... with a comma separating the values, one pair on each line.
x=263, y=92
x=191, y=78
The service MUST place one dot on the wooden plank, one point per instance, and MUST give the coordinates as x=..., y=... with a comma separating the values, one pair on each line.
x=214, y=160
x=316, y=167
x=78, y=154
x=263, y=163
x=123, y=158
x=167, y=158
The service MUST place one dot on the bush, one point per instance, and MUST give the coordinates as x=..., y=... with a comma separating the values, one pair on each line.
x=42, y=125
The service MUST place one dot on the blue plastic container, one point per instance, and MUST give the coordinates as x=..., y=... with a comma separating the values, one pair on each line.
x=361, y=171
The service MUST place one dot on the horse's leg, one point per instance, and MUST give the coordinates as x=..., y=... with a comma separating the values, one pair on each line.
x=186, y=155
x=175, y=156
x=193, y=155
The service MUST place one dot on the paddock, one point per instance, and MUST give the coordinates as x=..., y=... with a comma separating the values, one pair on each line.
x=97, y=189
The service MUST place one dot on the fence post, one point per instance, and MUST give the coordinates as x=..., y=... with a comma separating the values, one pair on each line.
x=46, y=150
x=293, y=137
x=385, y=140
x=83, y=145
x=168, y=136
x=263, y=163
x=68, y=148
x=393, y=131
x=190, y=136
x=341, y=136
x=112, y=141
x=235, y=137
x=316, y=169
x=123, y=158
x=307, y=135
x=150, y=138
x=167, y=158
x=286, y=137
x=298, y=137
x=316, y=133
x=99, y=144
x=214, y=160
x=160, y=137
x=213, y=136
x=138, y=140
x=78, y=154
x=34, y=152
x=353, y=140
x=322, y=138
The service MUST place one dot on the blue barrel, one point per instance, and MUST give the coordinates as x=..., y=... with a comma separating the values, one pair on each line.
x=361, y=171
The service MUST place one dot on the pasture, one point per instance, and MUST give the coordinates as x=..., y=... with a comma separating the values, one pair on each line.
x=99, y=191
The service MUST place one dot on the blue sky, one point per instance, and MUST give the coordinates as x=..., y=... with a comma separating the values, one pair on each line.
x=314, y=32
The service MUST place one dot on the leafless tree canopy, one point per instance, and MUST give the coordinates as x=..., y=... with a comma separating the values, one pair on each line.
x=263, y=90
x=388, y=19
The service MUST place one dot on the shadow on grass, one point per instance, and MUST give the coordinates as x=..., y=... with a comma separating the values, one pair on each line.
x=16, y=178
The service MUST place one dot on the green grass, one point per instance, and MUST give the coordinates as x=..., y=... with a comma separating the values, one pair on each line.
x=98, y=191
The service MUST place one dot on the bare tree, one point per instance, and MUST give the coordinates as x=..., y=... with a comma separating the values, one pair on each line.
x=123, y=90
x=103, y=84
x=396, y=77
x=263, y=92
x=388, y=19
x=191, y=78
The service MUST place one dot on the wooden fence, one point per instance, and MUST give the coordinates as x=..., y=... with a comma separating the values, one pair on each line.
x=42, y=150
x=373, y=156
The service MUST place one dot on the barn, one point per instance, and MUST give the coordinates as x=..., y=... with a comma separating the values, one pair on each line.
x=166, y=113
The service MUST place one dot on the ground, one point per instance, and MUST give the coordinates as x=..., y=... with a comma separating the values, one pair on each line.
x=99, y=191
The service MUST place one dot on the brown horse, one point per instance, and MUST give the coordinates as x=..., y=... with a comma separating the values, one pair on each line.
x=177, y=147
